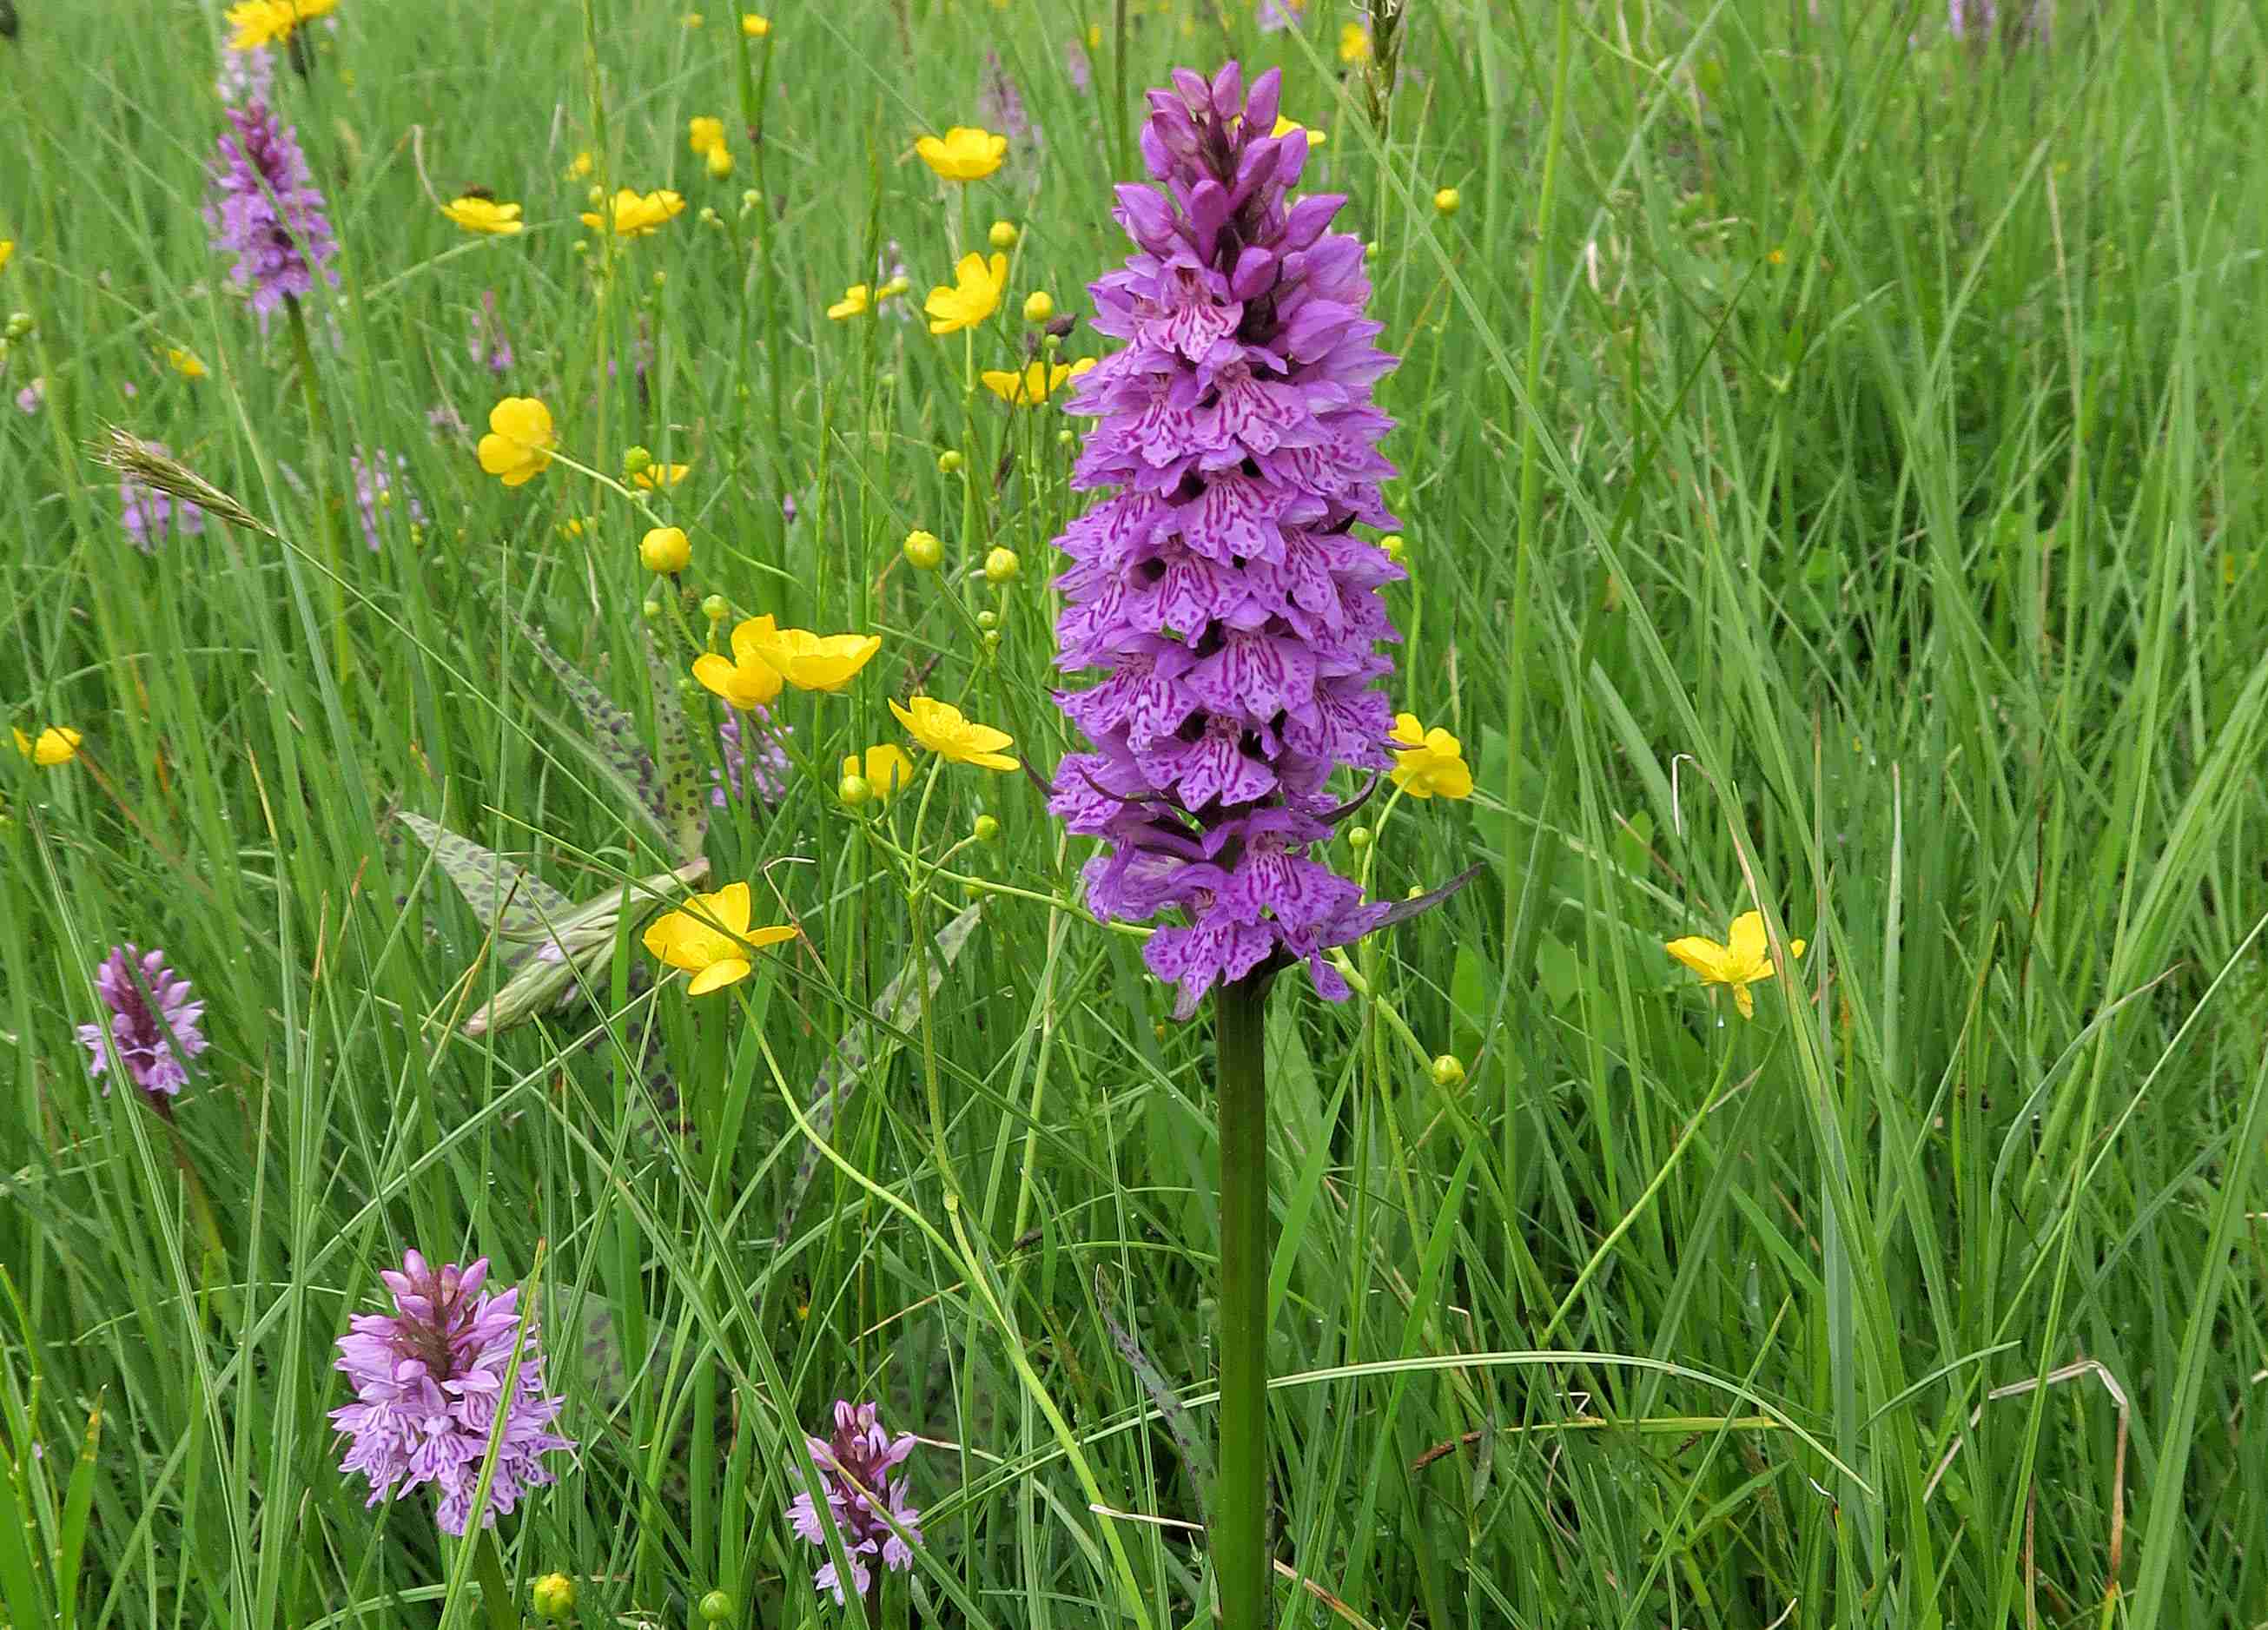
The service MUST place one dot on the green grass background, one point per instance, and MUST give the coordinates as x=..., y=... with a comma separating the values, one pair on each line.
x=1832, y=467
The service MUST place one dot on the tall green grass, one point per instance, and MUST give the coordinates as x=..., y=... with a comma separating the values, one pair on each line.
x=1838, y=492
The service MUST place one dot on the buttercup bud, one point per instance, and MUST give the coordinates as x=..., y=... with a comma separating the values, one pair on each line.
x=948, y=462
x=717, y=1607
x=854, y=790
x=923, y=550
x=637, y=460
x=1446, y=200
x=716, y=608
x=1001, y=566
x=1003, y=235
x=1039, y=305
x=987, y=829
x=1449, y=1071
x=555, y=1597
x=665, y=549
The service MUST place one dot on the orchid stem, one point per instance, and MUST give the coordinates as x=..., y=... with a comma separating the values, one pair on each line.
x=1239, y=1507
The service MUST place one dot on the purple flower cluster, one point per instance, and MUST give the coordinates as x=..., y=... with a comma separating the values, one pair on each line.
x=758, y=771
x=266, y=210
x=429, y=1381
x=1001, y=105
x=1222, y=588
x=150, y=1041
x=150, y=515
x=374, y=488
x=490, y=344
x=1980, y=21
x=247, y=76
x=858, y=1474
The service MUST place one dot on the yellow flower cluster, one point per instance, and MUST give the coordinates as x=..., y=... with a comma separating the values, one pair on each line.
x=485, y=215
x=260, y=23
x=974, y=296
x=964, y=153
x=1035, y=384
x=706, y=136
x=634, y=214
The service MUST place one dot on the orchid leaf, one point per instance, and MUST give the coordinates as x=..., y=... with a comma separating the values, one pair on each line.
x=613, y=747
x=684, y=789
x=502, y=893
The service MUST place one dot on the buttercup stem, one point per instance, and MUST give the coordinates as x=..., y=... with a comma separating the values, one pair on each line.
x=1240, y=1505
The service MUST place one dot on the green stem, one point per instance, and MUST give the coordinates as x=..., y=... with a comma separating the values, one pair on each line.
x=495, y=1589
x=1240, y=1509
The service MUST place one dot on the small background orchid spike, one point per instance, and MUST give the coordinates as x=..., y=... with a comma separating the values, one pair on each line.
x=152, y=465
x=668, y=798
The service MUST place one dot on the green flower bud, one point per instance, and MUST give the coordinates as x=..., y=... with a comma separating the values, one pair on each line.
x=854, y=790
x=1449, y=1071
x=923, y=550
x=717, y=1607
x=1001, y=566
x=987, y=829
x=555, y=1597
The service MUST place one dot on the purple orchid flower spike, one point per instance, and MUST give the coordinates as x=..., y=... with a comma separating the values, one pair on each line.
x=1221, y=588
x=266, y=212
x=155, y=1022
x=429, y=1381
x=861, y=1479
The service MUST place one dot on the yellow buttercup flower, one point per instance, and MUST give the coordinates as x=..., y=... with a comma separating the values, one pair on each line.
x=885, y=769
x=1432, y=761
x=485, y=215
x=519, y=440
x=710, y=939
x=58, y=743
x=719, y=162
x=765, y=657
x=270, y=22
x=975, y=298
x=7, y=251
x=1285, y=127
x=1035, y=384
x=964, y=153
x=1741, y=961
x=1354, y=42
x=580, y=165
x=857, y=301
x=753, y=25
x=704, y=133
x=184, y=363
x=634, y=214
x=939, y=727
x=655, y=477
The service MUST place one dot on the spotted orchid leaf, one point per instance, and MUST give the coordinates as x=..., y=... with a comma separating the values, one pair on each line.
x=502, y=893
x=684, y=788
x=613, y=747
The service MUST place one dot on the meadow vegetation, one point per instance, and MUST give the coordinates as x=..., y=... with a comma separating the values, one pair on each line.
x=1831, y=454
